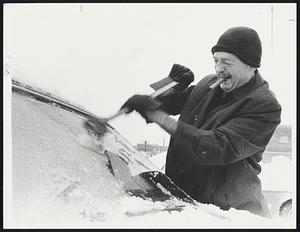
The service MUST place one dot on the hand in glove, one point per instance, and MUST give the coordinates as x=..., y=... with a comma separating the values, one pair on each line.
x=142, y=103
x=181, y=74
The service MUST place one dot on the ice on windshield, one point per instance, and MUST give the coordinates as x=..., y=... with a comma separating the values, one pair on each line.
x=56, y=160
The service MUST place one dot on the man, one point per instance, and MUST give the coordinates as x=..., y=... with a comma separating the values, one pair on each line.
x=218, y=141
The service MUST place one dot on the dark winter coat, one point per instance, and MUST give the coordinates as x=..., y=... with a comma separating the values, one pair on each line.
x=215, y=152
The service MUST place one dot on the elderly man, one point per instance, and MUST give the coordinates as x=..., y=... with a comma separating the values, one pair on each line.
x=218, y=141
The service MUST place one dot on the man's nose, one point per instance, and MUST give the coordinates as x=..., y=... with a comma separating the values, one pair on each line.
x=219, y=67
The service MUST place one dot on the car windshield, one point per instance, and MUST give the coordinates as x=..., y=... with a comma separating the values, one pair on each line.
x=54, y=155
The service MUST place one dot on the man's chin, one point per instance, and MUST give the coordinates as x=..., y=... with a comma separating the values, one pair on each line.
x=227, y=87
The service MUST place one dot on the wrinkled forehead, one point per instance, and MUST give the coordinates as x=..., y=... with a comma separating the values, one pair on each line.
x=225, y=55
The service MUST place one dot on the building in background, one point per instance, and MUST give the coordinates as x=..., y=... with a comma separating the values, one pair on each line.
x=151, y=149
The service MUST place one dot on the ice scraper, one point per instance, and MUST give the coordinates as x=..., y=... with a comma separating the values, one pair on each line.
x=162, y=87
x=99, y=125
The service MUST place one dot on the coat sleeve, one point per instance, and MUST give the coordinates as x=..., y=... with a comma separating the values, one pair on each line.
x=174, y=103
x=237, y=139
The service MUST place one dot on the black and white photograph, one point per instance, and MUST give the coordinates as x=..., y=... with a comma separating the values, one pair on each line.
x=149, y=115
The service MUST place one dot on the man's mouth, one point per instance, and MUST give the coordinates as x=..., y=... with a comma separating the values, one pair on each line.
x=224, y=76
x=226, y=80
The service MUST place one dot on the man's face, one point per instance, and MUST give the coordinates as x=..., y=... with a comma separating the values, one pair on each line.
x=229, y=66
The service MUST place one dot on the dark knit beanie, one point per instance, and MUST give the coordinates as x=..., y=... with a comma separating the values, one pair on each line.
x=243, y=42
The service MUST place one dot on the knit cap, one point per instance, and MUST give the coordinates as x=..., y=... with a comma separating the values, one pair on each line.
x=243, y=42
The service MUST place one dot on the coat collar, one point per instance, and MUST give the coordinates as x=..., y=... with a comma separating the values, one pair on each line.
x=252, y=84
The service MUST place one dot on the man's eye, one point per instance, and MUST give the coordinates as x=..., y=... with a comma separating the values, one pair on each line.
x=228, y=62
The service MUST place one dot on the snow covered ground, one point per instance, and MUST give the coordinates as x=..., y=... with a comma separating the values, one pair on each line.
x=282, y=182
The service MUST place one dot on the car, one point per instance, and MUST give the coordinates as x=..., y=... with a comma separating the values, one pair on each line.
x=65, y=173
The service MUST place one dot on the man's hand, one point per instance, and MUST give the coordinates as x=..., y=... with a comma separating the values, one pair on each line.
x=181, y=74
x=141, y=104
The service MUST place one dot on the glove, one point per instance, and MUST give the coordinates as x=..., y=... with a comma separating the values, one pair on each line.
x=181, y=74
x=141, y=103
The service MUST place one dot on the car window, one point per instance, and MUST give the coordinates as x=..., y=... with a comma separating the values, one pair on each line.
x=54, y=155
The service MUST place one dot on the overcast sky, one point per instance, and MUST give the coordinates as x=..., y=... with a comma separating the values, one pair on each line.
x=98, y=55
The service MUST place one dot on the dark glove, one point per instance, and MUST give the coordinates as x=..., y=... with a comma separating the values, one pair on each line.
x=141, y=103
x=181, y=74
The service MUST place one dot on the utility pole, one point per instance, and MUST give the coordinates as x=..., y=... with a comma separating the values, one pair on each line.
x=272, y=24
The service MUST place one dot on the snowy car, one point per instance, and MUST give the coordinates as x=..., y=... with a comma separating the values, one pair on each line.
x=66, y=175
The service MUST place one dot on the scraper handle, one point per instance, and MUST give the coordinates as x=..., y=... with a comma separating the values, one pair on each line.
x=163, y=89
